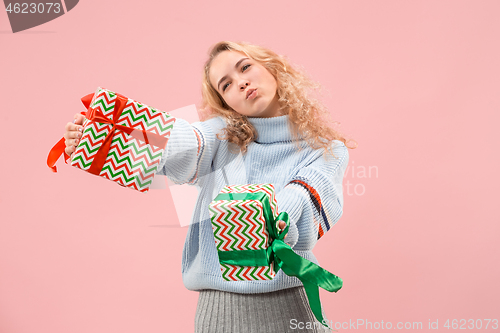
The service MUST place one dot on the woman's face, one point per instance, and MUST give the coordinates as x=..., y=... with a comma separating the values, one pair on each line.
x=244, y=84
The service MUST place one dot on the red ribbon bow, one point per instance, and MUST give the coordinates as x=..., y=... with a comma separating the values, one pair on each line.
x=97, y=116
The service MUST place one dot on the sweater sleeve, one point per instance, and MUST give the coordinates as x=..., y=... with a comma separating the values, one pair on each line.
x=190, y=150
x=313, y=198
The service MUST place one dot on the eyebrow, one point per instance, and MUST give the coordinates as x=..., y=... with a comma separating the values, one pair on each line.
x=225, y=76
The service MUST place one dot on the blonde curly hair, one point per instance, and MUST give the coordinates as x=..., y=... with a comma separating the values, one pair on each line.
x=307, y=115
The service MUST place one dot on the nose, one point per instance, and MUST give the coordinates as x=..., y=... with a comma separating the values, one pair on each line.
x=243, y=84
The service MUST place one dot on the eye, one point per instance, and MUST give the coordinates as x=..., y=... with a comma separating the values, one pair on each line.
x=242, y=69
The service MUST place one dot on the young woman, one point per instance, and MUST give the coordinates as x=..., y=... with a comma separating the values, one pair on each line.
x=259, y=107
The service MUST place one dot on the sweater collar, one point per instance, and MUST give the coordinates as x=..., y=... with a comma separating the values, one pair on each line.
x=271, y=130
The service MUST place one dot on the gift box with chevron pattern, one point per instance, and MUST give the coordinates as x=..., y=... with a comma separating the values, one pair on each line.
x=240, y=225
x=123, y=140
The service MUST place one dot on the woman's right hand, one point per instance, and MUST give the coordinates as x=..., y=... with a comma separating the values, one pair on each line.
x=73, y=133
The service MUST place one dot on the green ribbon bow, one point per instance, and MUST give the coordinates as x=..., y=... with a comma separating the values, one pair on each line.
x=311, y=275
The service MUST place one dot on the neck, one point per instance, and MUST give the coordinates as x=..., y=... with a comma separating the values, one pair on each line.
x=272, y=129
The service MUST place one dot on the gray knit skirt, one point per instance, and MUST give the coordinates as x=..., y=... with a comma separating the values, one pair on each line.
x=280, y=311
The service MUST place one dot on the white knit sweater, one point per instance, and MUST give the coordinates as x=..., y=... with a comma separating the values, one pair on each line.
x=308, y=187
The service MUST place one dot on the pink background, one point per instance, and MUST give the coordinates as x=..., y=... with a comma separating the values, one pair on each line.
x=416, y=83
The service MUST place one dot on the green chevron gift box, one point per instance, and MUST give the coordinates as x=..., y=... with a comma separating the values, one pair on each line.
x=239, y=224
x=250, y=245
x=123, y=140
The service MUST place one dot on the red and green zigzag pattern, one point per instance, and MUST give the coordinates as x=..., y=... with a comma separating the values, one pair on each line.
x=94, y=134
x=240, y=225
x=146, y=118
x=243, y=273
x=104, y=101
x=130, y=162
x=92, y=139
x=252, y=188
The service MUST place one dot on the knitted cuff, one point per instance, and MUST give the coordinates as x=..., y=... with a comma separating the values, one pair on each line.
x=291, y=199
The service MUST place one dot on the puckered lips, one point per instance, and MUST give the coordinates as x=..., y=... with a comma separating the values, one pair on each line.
x=251, y=93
